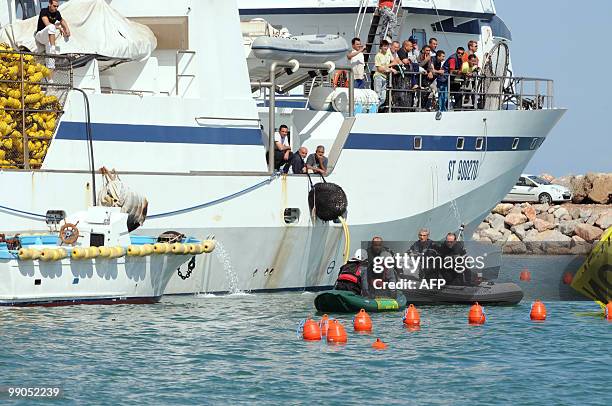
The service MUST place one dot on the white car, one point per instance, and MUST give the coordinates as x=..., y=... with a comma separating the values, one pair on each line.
x=531, y=188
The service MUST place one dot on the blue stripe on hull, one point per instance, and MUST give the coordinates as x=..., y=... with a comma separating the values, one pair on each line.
x=69, y=130
x=400, y=142
x=252, y=136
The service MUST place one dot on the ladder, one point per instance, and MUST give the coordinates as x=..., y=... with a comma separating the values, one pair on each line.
x=376, y=28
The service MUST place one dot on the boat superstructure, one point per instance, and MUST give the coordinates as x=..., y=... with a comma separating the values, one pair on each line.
x=190, y=130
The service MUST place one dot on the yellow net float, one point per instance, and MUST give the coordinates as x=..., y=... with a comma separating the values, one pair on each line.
x=161, y=248
x=146, y=249
x=134, y=250
x=117, y=252
x=195, y=249
x=208, y=246
x=105, y=252
x=52, y=254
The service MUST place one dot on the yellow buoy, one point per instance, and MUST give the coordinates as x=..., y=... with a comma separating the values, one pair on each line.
x=117, y=252
x=146, y=249
x=161, y=248
x=178, y=248
x=35, y=253
x=79, y=253
x=105, y=252
x=49, y=254
x=208, y=246
x=25, y=254
x=60, y=253
x=195, y=249
x=93, y=252
x=134, y=250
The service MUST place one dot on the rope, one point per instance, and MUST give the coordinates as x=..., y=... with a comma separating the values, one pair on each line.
x=441, y=26
x=42, y=217
x=217, y=201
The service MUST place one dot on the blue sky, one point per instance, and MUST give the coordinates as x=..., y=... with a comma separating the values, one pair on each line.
x=567, y=41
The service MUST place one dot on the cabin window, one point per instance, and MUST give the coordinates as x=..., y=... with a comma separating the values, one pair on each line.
x=418, y=143
x=515, y=143
x=460, y=143
x=534, y=143
x=24, y=9
x=479, y=143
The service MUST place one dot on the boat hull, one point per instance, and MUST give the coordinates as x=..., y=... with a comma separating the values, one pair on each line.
x=127, y=280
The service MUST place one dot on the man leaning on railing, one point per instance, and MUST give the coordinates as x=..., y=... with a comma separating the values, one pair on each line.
x=50, y=22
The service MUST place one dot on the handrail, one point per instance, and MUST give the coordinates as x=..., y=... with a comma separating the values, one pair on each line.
x=361, y=13
x=499, y=89
x=176, y=60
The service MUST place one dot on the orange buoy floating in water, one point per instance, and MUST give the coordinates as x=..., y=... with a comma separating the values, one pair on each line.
x=609, y=311
x=311, y=330
x=336, y=334
x=538, y=311
x=476, y=315
x=412, y=318
x=525, y=275
x=379, y=345
x=568, y=278
x=323, y=324
x=362, y=322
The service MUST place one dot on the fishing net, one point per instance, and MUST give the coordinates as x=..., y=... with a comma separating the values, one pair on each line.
x=116, y=194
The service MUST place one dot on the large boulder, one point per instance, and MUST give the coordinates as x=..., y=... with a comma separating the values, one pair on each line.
x=563, y=181
x=541, y=208
x=547, y=176
x=567, y=227
x=579, y=246
x=491, y=234
x=542, y=225
x=588, y=232
x=601, y=188
x=591, y=220
x=483, y=226
x=580, y=187
x=560, y=212
x=574, y=212
x=530, y=212
x=585, y=213
x=514, y=246
x=503, y=208
x=519, y=231
x=604, y=220
x=513, y=219
x=548, y=217
x=496, y=221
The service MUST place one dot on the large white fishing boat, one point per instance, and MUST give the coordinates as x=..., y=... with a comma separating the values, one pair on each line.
x=178, y=115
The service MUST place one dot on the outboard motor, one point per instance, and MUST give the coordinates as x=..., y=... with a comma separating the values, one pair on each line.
x=328, y=201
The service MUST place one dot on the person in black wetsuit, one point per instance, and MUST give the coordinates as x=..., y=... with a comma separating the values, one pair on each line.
x=453, y=249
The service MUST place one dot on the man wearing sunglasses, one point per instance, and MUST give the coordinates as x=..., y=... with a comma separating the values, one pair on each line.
x=50, y=23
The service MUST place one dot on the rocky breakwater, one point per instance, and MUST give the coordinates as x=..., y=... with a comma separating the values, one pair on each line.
x=539, y=229
x=589, y=188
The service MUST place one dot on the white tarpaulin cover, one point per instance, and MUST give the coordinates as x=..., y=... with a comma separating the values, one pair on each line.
x=95, y=27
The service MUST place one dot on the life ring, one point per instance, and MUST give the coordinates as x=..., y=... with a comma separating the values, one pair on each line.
x=69, y=233
x=340, y=79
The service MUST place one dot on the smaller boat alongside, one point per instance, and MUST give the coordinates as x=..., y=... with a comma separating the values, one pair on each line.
x=91, y=259
x=485, y=293
x=343, y=301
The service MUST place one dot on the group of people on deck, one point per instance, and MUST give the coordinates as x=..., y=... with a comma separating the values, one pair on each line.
x=298, y=162
x=418, y=77
x=358, y=274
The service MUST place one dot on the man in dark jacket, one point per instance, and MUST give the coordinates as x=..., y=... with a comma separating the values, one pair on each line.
x=451, y=248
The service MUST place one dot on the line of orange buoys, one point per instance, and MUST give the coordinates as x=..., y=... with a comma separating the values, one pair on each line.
x=362, y=323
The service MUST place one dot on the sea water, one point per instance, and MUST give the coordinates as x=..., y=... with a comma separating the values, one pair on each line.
x=240, y=349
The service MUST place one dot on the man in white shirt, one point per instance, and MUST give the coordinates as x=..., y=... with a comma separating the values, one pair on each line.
x=282, y=149
x=357, y=63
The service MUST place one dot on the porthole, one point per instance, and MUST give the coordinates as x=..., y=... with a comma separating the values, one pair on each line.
x=418, y=143
x=460, y=143
x=515, y=143
x=479, y=143
x=534, y=143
